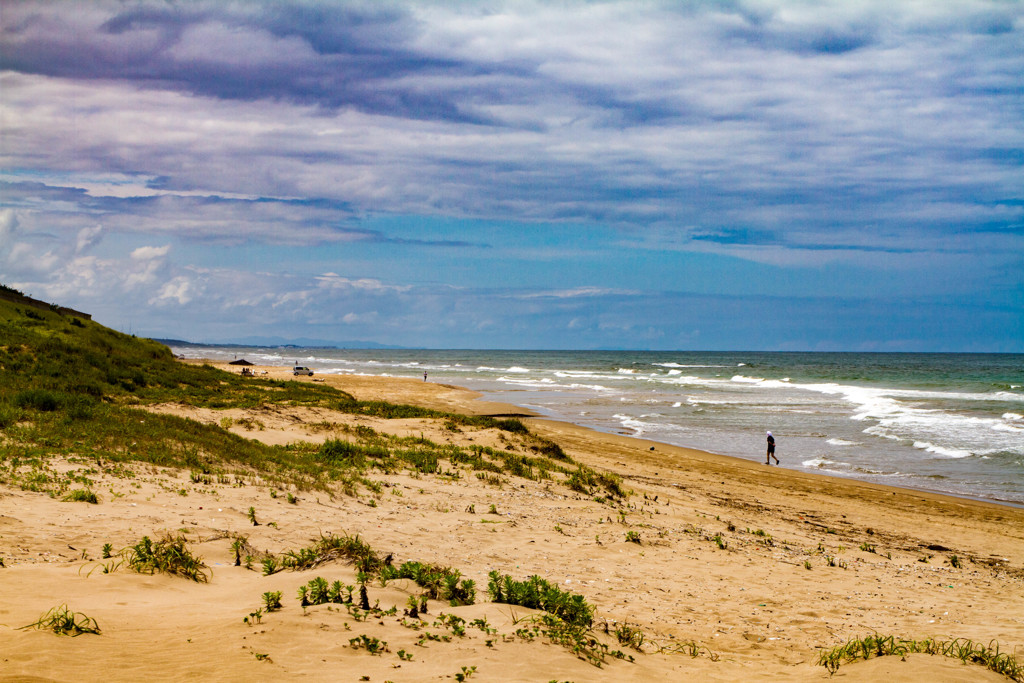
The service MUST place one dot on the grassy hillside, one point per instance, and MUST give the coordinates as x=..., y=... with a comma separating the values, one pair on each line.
x=74, y=387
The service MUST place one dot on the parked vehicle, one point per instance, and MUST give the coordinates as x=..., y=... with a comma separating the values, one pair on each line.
x=299, y=370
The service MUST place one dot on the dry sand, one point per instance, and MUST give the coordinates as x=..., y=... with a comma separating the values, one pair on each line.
x=755, y=604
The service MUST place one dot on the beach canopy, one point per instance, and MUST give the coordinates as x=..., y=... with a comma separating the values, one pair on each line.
x=240, y=361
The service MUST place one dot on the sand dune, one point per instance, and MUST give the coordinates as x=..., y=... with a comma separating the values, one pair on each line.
x=758, y=605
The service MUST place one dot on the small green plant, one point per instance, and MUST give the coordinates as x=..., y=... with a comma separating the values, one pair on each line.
x=632, y=537
x=107, y=551
x=627, y=635
x=272, y=600
x=954, y=562
x=867, y=547
x=807, y=564
x=252, y=516
x=405, y=656
x=374, y=646
x=466, y=672
x=64, y=622
x=169, y=555
x=493, y=510
x=719, y=541
x=81, y=496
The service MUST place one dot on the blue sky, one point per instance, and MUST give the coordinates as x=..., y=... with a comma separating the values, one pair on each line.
x=753, y=175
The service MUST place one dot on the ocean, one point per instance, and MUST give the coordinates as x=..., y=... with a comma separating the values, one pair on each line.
x=952, y=423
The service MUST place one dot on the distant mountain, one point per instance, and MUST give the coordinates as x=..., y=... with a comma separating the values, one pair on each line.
x=280, y=342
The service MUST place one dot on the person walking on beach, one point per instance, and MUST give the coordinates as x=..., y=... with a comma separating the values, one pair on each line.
x=771, y=451
x=424, y=375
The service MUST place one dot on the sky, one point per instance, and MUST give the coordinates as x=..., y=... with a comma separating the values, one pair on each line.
x=688, y=175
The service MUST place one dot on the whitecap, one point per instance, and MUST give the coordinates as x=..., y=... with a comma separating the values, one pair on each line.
x=841, y=442
x=942, y=450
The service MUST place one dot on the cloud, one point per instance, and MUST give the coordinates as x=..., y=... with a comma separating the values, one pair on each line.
x=877, y=137
x=179, y=290
x=150, y=253
x=87, y=237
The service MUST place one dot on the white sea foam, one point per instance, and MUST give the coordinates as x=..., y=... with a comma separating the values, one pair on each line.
x=683, y=365
x=940, y=450
x=841, y=442
x=819, y=462
x=1013, y=416
x=631, y=423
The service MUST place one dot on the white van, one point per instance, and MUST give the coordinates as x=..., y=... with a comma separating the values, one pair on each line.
x=299, y=370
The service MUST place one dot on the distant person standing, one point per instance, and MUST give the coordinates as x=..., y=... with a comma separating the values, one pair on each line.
x=771, y=451
x=424, y=375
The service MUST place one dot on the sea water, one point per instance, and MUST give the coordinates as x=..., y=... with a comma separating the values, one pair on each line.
x=952, y=423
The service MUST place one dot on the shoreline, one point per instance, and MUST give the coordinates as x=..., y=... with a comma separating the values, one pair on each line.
x=719, y=472
x=473, y=403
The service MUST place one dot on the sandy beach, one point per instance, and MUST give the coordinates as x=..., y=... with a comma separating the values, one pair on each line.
x=752, y=569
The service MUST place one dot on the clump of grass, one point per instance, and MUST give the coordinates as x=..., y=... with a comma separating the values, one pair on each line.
x=81, y=496
x=168, y=555
x=537, y=593
x=440, y=583
x=64, y=622
x=967, y=651
x=327, y=548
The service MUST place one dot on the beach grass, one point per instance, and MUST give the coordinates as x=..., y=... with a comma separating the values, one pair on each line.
x=966, y=650
x=63, y=622
x=167, y=555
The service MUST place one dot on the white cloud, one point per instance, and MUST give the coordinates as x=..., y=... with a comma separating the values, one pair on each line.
x=150, y=253
x=179, y=290
x=88, y=237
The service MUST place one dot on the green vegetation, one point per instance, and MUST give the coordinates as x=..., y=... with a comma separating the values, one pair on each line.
x=538, y=593
x=272, y=600
x=81, y=496
x=169, y=555
x=440, y=583
x=64, y=622
x=963, y=649
x=75, y=387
